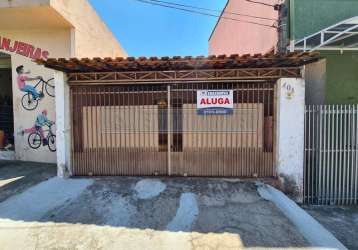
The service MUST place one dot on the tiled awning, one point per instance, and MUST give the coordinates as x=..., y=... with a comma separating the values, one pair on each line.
x=176, y=63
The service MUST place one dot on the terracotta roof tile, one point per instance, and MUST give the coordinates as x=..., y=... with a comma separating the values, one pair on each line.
x=119, y=64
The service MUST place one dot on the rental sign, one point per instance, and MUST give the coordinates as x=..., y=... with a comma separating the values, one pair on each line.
x=215, y=102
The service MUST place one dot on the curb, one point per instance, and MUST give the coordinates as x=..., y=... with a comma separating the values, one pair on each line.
x=309, y=227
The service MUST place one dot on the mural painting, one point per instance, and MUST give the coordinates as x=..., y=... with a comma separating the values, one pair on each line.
x=36, y=134
x=31, y=99
x=41, y=133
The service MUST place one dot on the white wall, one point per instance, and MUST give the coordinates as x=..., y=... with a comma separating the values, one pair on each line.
x=290, y=104
x=76, y=31
x=57, y=42
x=63, y=132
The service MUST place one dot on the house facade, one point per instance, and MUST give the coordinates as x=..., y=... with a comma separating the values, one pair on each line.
x=183, y=116
x=41, y=29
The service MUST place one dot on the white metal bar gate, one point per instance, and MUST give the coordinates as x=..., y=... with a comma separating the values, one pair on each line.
x=331, y=154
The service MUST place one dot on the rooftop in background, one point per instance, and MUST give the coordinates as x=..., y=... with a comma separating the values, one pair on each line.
x=75, y=65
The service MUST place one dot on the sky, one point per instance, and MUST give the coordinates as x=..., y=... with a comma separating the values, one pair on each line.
x=147, y=30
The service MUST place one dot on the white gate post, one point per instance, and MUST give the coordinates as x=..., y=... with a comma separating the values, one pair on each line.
x=290, y=107
x=63, y=125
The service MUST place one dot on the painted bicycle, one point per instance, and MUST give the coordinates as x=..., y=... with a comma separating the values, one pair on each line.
x=29, y=102
x=35, y=139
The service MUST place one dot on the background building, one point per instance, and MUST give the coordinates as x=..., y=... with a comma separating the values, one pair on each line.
x=35, y=29
x=327, y=26
x=323, y=18
x=255, y=34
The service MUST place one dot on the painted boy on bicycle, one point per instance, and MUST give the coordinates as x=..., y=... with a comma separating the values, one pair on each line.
x=21, y=82
x=41, y=120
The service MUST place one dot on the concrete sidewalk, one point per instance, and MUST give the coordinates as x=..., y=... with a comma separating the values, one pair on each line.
x=341, y=221
x=137, y=213
x=17, y=176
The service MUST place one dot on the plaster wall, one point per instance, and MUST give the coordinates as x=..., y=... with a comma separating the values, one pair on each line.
x=342, y=77
x=290, y=106
x=64, y=28
x=22, y=3
x=63, y=131
x=310, y=16
x=233, y=37
x=92, y=38
x=315, y=77
x=56, y=42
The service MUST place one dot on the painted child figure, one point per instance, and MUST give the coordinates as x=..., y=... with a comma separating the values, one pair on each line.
x=41, y=120
x=21, y=82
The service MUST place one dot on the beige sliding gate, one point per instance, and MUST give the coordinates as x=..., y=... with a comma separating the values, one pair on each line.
x=155, y=129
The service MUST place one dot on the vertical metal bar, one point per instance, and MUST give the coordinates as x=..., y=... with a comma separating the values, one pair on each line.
x=320, y=157
x=144, y=129
x=356, y=156
x=266, y=148
x=272, y=105
x=316, y=160
x=260, y=133
x=99, y=130
x=313, y=153
x=94, y=125
x=307, y=154
x=110, y=131
x=242, y=167
x=116, y=128
x=340, y=155
x=324, y=166
x=73, y=111
x=305, y=157
x=312, y=146
x=344, y=154
x=329, y=157
x=120, y=129
x=169, y=132
x=138, y=134
x=86, y=147
x=349, y=157
x=335, y=149
x=125, y=133
x=81, y=132
x=92, y=131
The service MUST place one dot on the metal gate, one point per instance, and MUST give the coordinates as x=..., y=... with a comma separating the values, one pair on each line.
x=154, y=129
x=331, y=154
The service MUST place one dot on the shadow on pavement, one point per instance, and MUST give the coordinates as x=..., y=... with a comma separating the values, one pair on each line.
x=16, y=176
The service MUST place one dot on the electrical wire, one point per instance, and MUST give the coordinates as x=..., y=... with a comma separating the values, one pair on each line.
x=212, y=10
x=203, y=13
x=257, y=2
